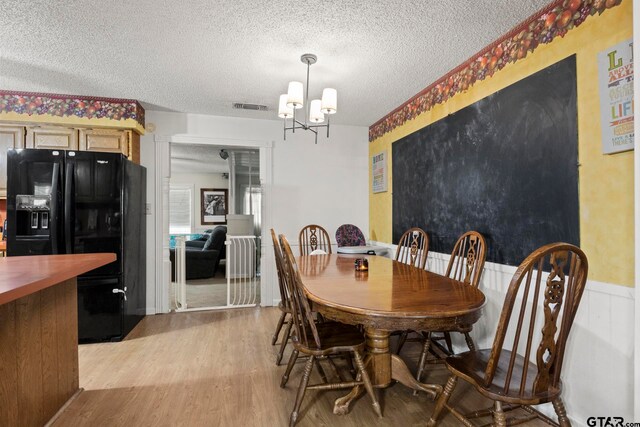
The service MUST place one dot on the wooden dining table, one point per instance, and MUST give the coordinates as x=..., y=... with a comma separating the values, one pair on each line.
x=390, y=296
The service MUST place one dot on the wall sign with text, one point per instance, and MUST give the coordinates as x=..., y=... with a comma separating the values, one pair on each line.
x=615, y=78
x=379, y=172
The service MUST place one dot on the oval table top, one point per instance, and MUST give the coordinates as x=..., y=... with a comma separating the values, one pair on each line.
x=391, y=295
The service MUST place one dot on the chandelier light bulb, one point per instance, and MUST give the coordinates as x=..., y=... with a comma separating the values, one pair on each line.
x=284, y=111
x=315, y=115
x=295, y=95
x=329, y=101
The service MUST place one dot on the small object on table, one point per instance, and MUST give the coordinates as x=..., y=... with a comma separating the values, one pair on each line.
x=363, y=250
x=361, y=264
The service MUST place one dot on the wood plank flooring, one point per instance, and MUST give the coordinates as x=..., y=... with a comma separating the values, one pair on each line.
x=217, y=369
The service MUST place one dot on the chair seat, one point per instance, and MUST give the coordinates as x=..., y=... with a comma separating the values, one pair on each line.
x=335, y=337
x=472, y=365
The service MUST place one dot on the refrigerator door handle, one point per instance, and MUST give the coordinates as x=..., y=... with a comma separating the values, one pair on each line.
x=69, y=206
x=120, y=291
x=55, y=183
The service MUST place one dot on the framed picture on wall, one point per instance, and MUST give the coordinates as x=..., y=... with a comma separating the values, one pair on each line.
x=214, y=205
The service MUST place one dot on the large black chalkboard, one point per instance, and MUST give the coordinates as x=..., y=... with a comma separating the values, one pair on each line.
x=506, y=166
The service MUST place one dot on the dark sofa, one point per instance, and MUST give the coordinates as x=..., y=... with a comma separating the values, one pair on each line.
x=203, y=255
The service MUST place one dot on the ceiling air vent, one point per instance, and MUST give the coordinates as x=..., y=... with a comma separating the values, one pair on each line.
x=244, y=106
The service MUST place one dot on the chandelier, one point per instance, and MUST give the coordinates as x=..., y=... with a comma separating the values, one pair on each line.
x=295, y=99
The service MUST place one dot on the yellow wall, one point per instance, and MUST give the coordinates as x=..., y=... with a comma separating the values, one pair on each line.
x=606, y=181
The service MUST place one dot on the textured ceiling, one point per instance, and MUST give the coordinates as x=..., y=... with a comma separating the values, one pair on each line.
x=201, y=56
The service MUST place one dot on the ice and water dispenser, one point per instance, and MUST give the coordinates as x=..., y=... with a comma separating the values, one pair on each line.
x=33, y=215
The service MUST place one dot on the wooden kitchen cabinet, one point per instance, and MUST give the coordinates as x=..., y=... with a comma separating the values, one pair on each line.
x=111, y=141
x=52, y=138
x=105, y=140
x=11, y=136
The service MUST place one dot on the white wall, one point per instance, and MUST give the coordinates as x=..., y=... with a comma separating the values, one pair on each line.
x=199, y=181
x=326, y=184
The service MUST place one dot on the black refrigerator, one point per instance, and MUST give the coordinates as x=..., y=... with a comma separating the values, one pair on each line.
x=74, y=202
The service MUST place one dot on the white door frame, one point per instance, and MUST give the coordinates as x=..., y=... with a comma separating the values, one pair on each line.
x=161, y=179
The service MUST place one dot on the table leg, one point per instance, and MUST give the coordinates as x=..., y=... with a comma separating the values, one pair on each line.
x=383, y=368
x=379, y=369
x=401, y=373
x=378, y=364
x=341, y=405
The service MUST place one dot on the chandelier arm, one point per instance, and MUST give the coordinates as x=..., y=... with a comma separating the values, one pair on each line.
x=302, y=125
x=315, y=132
x=310, y=127
x=294, y=120
x=328, y=123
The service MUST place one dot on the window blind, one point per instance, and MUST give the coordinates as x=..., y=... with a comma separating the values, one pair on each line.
x=180, y=207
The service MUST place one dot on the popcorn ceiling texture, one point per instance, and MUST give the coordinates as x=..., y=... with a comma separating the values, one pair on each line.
x=200, y=56
x=554, y=21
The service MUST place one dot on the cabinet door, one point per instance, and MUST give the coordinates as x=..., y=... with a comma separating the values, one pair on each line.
x=105, y=140
x=11, y=136
x=52, y=138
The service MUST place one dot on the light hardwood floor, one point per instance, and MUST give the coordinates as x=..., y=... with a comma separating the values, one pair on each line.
x=211, y=292
x=217, y=369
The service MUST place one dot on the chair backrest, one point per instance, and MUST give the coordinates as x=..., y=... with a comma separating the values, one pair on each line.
x=280, y=267
x=467, y=258
x=301, y=315
x=413, y=248
x=313, y=237
x=350, y=235
x=557, y=301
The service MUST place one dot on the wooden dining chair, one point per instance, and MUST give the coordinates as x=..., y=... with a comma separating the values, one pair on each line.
x=524, y=364
x=465, y=265
x=320, y=340
x=285, y=301
x=413, y=248
x=313, y=237
x=350, y=235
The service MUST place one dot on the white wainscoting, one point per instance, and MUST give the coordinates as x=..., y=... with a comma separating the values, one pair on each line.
x=598, y=366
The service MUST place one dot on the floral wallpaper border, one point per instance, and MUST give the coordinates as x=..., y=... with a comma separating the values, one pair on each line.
x=553, y=21
x=90, y=107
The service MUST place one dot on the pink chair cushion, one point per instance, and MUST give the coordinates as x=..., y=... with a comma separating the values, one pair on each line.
x=350, y=235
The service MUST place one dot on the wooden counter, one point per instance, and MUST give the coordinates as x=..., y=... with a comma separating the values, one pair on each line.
x=24, y=275
x=39, y=334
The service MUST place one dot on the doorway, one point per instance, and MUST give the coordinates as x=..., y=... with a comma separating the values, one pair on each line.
x=215, y=220
x=239, y=172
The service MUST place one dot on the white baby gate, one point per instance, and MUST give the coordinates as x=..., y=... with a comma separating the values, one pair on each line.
x=242, y=280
